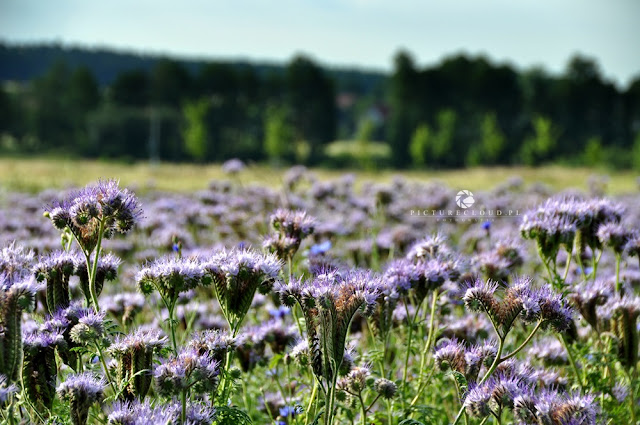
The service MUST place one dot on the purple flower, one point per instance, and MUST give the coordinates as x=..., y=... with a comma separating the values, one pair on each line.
x=89, y=329
x=171, y=276
x=291, y=228
x=7, y=390
x=329, y=303
x=233, y=166
x=236, y=275
x=142, y=413
x=81, y=391
x=15, y=264
x=134, y=354
x=187, y=370
x=107, y=270
x=214, y=343
x=553, y=407
x=614, y=235
x=86, y=211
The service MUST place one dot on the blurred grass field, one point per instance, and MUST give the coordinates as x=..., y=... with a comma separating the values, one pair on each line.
x=36, y=174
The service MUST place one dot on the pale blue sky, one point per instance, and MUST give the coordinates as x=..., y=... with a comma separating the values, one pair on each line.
x=363, y=33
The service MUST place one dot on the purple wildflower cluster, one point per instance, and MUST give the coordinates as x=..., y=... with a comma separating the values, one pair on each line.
x=520, y=300
x=363, y=313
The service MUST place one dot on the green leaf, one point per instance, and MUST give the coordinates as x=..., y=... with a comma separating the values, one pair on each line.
x=231, y=416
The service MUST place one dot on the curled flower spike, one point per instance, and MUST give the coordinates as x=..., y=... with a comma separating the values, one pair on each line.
x=291, y=228
x=328, y=303
x=15, y=297
x=142, y=413
x=520, y=300
x=386, y=388
x=56, y=268
x=614, y=235
x=89, y=329
x=102, y=206
x=171, y=276
x=556, y=408
x=15, y=264
x=39, y=368
x=188, y=370
x=236, y=275
x=81, y=391
x=214, y=342
x=134, y=354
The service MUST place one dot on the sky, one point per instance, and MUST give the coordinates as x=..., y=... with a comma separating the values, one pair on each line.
x=344, y=33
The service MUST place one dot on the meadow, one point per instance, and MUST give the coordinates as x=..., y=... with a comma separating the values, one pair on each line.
x=241, y=294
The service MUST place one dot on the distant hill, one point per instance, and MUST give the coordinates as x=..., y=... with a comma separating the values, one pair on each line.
x=28, y=61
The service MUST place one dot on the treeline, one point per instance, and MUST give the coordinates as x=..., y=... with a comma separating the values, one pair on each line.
x=462, y=111
x=466, y=111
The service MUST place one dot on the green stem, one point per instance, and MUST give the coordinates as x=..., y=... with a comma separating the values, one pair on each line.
x=427, y=347
x=566, y=268
x=618, y=282
x=493, y=367
x=171, y=305
x=631, y=397
x=106, y=369
x=405, y=372
x=572, y=361
x=94, y=268
x=314, y=393
x=525, y=342
x=363, y=409
x=183, y=413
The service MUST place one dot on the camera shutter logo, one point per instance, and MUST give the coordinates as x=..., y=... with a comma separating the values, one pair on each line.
x=464, y=199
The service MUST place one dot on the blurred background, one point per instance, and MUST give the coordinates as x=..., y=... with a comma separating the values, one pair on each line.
x=360, y=84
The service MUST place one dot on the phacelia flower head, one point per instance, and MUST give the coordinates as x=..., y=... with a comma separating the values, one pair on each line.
x=329, y=302
x=291, y=228
x=102, y=206
x=520, y=299
x=81, y=391
x=214, y=343
x=187, y=370
x=39, y=368
x=7, y=390
x=56, y=268
x=134, y=355
x=614, y=235
x=236, y=275
x=107, y=270
x=171, y=276
x=15, y=263
x=143, y=413
x=89, y=329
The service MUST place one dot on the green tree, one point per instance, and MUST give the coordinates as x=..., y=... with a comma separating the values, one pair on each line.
x=491, y=145
x=419, y=146
x=593, y=153
x=404, y=107
x=278, y=134
x=636, y=153
x=540, y=146
x=442, y=146
x=310, y=96
x=195, y=129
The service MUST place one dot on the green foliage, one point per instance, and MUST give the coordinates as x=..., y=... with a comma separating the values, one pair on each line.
x=593, y=152
x=635, y=155
x=419, y=146
x=539, y=147
x=195, y=130
x=491, y=145
x=278, y=134
x=226, y=415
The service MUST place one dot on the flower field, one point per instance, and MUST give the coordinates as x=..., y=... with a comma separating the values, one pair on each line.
x=319, y=302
